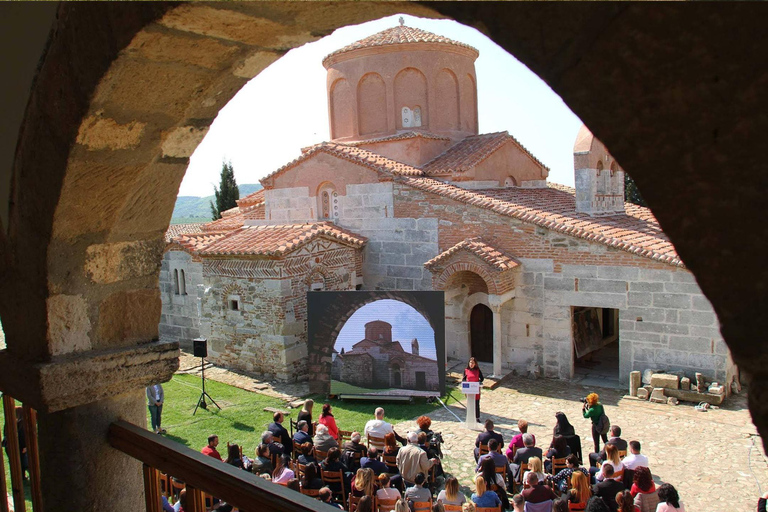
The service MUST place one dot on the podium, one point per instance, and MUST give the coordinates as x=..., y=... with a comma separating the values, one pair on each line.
x=471, y=389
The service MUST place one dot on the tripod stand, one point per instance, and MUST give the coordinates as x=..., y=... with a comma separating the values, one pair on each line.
x=201, y=401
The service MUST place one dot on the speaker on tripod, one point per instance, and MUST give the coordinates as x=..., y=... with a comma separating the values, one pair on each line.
x=200, y=349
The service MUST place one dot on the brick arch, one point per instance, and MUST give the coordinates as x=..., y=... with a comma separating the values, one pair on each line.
x=441, y=280
x=329, y=279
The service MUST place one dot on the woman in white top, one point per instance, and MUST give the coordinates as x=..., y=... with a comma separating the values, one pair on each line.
x=283, y=471
x=451, y=495
x=535, y=466
x=669, y=501
x=612, y=458
x=386, y=492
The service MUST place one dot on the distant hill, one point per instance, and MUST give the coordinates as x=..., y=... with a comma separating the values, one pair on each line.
x=191, y=209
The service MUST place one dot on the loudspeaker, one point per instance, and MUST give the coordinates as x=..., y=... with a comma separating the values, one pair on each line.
x=200, y=347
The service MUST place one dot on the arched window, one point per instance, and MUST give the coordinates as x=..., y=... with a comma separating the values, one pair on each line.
x=182, y=283
x=601, y=179
x=327, y=202
x=176, y=281
x=509, y=181
x=614, y=168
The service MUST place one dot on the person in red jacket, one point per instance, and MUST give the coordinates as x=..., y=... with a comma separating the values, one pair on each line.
x=210, y=450
x=327, y=419
x=472, y=373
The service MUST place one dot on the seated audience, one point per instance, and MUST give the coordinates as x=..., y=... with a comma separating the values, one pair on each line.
x=642, y=485
x=517, y=441
x=307, y=454
x=262, y=463
x=669, y=501
x=635, y=459
x=333, y=463
x=210, y=450
x=450, y=495
x=535, y=466
x=275, y=448
x=293, y=484
x=353, y=452
x=390, y=444
x=536, y=493
x=563, y=427
x=324, y=441
x=523, y=454
x=364, y=483
x=327, y=419
x=607, y=488
x=412, y=460
x=283, y=471
x=380, y=428
x=467, y=507
x=559, y=450
x=561, y=479
x=625, y=502
x=596, y=504
x=518, y=503
x=615, y=440
x=311, y=479
x=612, y=458
x=580, y=489
x=372, y=462
x=302, y=434
x=306, y=414
x=494, y=481
x=482, y=497
x=326, y=496
x=365, y=504
x=234, y=458
x=424, y=423
x=498, y=459
x=418, y=492
x=485, y=437
x=560, y=506
x=401, y=506
x=386, y=491
x=280, y=433
x=182, y=503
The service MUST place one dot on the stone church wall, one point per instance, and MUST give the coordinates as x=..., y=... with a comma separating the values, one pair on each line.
x=179, y=320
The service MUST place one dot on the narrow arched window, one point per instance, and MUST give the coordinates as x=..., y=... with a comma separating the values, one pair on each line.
x=328, y=202
x=176, y=281
x=182, y=283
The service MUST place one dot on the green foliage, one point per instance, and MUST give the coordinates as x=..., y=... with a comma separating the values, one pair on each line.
x=227, y=193
x=193, y=209
x=631, y=192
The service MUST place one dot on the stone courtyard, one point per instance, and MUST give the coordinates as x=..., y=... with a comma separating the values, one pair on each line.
x=685, y=447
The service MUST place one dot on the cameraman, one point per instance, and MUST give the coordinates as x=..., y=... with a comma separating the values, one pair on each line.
x=594, y=410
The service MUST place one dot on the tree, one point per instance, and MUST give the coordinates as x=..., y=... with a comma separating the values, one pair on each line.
x=227, y=193
x=631, y=192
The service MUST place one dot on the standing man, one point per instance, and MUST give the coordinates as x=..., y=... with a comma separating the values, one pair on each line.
x=155, y=398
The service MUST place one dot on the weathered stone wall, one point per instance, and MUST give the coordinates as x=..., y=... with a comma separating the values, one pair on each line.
x=179, y=320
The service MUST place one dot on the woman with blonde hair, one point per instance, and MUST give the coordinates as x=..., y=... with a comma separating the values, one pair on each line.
x=594, y=410
x=468, y=507
x=482, y=497
x=535, y=466
x=612, y=458
x=306, y=415
x=363, y=484
x=401, y=506
x=450, y=495
x=386, y=492
x=581, y=491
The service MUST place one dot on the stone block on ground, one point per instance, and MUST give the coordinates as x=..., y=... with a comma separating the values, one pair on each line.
x=647, y=376
x=642, y=394
x=657, y=396
x=274, y=409
x=665, y=380
x=672, y=401
x=634, y=383
x=694, y=396
x=716, y=389
x=700, y=386
x=685, y=383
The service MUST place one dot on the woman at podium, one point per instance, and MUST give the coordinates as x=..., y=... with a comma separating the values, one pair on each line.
x=472, y=373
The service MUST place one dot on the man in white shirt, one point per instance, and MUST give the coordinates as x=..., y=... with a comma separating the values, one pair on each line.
x=379, y=428
x=635, y=459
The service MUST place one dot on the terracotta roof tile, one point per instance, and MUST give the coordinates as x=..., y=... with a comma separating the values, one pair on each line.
x=252, y=198
x=636, y=231
x=197, y=241
x=352, y=154
x=471, y=151
x=225, y=223
x=175, y=230
x=277, y=240
x=492, y=256
x=397, y=136
x=398, y=35
x=231, y=211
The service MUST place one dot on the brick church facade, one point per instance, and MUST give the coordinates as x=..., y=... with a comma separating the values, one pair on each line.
x=408, y=195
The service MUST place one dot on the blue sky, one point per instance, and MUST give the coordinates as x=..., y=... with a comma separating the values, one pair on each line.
x=407, y=323
x=285, y=108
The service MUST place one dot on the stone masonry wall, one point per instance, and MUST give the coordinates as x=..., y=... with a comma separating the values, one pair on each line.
x=179, y=319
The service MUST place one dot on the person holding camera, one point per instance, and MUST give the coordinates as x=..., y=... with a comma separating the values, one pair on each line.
x=594, y=410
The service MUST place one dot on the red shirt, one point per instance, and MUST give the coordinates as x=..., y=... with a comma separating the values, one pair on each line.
x=472, y=375
x=211, y=452
x=330, y=422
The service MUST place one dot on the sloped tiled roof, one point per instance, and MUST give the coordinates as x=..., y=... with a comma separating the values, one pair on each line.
x=637, y=231
x=225, y=223
x=175, y=230
x=471, y=151
x=251, y=199
x=277, y=240
x=197, y=241
x=352, y=154
x=231, y=211
x=397, y=136
x=398, y=35
x=489, y=254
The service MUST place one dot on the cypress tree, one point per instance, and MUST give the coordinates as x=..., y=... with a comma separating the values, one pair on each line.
x=631, y=192
x=227, y=193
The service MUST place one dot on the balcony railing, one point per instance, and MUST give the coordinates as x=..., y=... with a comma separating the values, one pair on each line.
x=29, y=425
x=203, y=474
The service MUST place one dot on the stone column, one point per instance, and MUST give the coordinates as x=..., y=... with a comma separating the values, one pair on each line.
x=495, y=302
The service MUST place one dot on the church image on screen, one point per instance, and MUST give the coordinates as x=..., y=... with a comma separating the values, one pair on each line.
x=385, y=347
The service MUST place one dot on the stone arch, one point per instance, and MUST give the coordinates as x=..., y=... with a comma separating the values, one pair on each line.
x=442, y=280
x=372, y=104
x=510, y=181
x=341, y=110
x=327, y=201
x=447, y=96
x=411, y=92
x=321, y=274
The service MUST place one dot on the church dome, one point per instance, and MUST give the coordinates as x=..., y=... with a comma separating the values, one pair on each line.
x=402, y=79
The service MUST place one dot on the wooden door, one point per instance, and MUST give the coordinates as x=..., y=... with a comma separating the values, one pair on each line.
x=481, y=333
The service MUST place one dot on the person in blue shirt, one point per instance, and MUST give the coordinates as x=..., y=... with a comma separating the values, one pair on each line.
x=483, y=497
x=302, y=436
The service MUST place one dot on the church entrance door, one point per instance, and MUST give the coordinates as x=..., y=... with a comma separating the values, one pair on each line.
x=481, y=333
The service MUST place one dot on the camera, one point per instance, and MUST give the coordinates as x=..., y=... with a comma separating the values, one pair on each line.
x=584, y=400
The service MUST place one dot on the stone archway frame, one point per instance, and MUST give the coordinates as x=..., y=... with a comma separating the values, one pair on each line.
x=328, y=311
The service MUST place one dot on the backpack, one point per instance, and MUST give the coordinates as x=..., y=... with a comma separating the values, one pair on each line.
x=603, y=424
